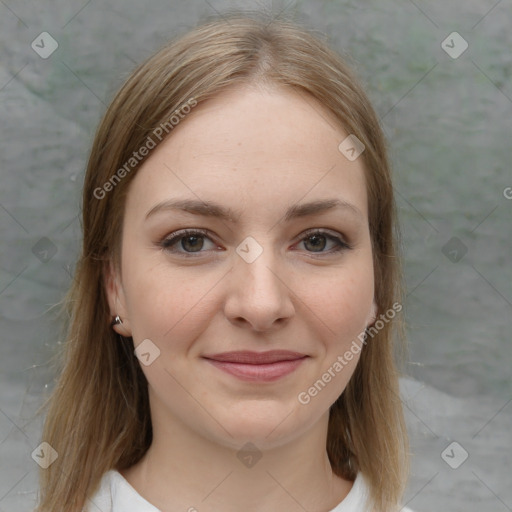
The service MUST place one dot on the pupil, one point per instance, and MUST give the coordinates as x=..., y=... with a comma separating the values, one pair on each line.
x=318, y=239
x=194, y=243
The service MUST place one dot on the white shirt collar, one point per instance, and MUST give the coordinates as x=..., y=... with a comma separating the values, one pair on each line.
x=117, y=495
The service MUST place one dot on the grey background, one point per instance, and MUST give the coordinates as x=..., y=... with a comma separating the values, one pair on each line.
x=448, y=122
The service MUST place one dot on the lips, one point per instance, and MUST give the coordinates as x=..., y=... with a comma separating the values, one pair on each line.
x=248, y=357
x=257, y=366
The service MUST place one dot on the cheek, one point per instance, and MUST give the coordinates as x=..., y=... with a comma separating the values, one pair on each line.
x=342, y=310
x=344, y=301
x=167, y=305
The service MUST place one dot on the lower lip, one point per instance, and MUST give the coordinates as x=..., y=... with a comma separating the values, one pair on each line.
x=258, y=372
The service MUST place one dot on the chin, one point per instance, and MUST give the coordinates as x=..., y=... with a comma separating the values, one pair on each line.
x=265, y=426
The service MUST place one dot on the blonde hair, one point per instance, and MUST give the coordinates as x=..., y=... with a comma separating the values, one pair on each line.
x=98, y=417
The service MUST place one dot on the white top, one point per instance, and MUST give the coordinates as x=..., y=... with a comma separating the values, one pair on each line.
x=117, y=495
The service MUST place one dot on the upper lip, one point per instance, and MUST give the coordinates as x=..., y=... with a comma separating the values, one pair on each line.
x=248, y=357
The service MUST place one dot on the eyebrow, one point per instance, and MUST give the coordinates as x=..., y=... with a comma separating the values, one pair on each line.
x=211, y=209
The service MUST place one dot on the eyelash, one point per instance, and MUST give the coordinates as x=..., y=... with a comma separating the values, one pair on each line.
x=170, y=241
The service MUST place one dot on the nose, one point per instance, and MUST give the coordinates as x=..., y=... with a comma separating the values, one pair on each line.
x=259, y=296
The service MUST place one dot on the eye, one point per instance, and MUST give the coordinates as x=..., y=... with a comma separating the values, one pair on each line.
x=191, y=241
x=316, y=240
x=188, y=242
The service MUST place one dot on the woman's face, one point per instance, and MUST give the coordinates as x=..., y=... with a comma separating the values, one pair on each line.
x=279, y=272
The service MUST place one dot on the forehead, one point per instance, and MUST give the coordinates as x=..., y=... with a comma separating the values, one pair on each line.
x=252, y=149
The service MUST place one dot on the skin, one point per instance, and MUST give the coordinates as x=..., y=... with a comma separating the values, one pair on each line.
x=257, y=151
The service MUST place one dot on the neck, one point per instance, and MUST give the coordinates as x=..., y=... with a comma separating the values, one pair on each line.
x=183, y=470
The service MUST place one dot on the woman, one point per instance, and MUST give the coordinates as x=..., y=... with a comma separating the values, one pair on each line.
x=230, y=338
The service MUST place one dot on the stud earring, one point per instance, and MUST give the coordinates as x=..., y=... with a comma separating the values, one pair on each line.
x=116, y=321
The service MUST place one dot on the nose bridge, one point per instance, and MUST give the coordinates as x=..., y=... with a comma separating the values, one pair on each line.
x=258, y=294
x=258, y=265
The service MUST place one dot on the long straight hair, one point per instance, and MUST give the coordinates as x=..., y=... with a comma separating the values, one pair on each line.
x=98, y=415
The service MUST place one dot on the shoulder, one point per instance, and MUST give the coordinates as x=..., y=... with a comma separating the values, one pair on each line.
x=102, y=499
x=115, y=494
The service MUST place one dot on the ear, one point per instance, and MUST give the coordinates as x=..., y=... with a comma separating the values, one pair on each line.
x=372, y=315
x=116, y=299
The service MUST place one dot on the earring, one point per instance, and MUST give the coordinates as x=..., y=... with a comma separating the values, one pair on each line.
x=116, y=321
